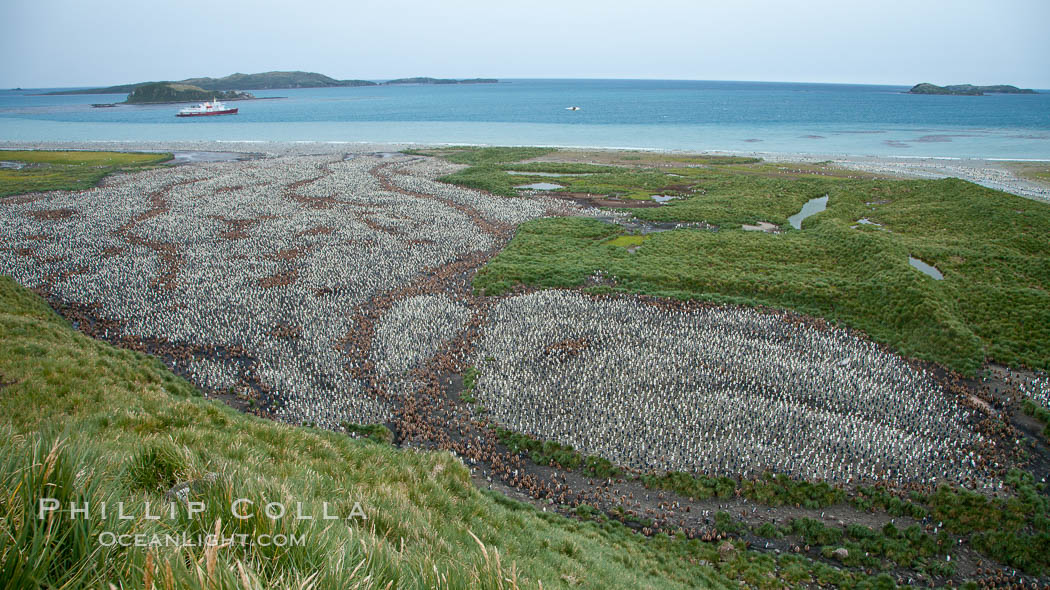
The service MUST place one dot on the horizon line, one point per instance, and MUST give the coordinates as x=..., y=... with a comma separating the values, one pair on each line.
x=503, y=79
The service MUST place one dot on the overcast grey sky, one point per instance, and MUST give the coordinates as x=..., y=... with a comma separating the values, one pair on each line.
x=102, y=42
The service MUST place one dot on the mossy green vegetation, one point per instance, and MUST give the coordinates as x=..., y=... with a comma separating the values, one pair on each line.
x=994, y=301
x=626, y=241
x=67, y=170
x=86, y=422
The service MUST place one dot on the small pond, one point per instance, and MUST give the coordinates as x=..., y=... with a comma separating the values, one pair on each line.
x=812, y=207
x=925, y=268
x=540, y=186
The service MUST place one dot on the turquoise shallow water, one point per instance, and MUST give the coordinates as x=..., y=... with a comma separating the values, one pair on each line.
x=675, y=115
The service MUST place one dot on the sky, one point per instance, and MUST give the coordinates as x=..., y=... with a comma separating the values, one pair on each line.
x=58, y=43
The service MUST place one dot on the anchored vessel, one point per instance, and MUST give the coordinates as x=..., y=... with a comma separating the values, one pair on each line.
x=205, y=109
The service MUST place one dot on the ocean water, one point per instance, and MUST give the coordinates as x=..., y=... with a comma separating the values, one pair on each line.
x=740, y=117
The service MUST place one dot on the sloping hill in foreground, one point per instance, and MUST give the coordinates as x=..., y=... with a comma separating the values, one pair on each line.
x=86, y=422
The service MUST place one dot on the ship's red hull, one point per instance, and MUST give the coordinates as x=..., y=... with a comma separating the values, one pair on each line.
x=224, y=112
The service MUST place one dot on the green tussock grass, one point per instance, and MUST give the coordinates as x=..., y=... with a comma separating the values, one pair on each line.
x=993, y=302
x=769, y=490
x=470, y=379
x=70, y=170
x=373, y=432
x=879, y=549
x=1015, y=531
x=550, y=453
x=83, y=421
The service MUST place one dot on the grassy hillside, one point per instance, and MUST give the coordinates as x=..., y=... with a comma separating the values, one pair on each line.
x=83, y=421
x=994, y=301
x=70, y=170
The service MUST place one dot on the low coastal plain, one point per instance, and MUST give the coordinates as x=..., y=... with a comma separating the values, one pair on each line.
x=358, y=307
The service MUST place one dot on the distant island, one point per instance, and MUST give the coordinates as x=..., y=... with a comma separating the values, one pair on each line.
x=968, y=89
x=268, y=81
x=162, y=92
